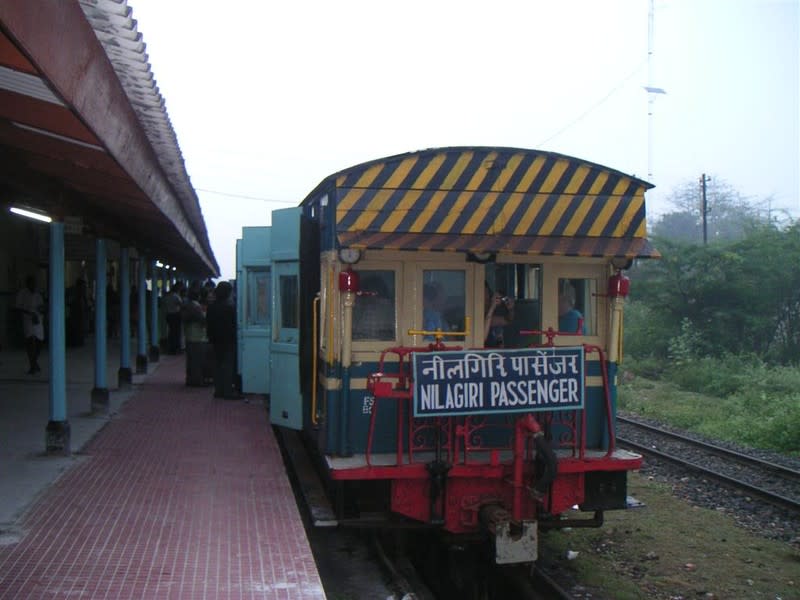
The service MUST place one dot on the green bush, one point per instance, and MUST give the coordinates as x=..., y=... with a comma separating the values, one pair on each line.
x=757, y=420
x=648, y=366
x=732, y=374
x=686, y=346
x=646, y=331
x=736, y=398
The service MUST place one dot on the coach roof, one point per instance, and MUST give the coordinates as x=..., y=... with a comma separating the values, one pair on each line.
x=484, y=199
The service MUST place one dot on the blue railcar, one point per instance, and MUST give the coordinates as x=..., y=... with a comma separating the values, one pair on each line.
x=445, y=328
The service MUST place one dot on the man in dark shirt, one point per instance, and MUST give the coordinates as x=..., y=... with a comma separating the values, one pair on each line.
x=172, y=306
x=221, y=331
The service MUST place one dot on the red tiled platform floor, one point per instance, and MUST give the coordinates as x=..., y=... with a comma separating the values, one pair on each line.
x=181, y=496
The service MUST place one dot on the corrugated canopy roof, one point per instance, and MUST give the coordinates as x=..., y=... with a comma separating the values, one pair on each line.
x=478, y=199
x=84, y=130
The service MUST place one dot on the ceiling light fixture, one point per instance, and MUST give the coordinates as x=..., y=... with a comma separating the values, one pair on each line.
x=30, y=214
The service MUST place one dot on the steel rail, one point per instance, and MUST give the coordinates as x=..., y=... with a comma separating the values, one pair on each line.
x=530, y=583
x=782, y=470
x=773, y=498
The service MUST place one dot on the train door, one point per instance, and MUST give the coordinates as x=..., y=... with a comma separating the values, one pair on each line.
x=239, y=312
x=286, y=406
x=255, y=322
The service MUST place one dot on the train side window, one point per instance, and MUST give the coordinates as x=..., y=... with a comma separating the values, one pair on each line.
x=374, y=315
x=258, y=297
x=443, y=301
x=289, y=301
x=577, y=307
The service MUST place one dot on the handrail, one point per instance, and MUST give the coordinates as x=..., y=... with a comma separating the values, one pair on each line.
x=550, y=333
x=396, y=386
x=438, y=334
x=315, y=352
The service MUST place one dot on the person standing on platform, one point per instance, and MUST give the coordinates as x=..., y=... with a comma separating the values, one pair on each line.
x=221, y=332
x=194, y=328
x=194, y=317
x=31, y=305
x=112, y=309
x=77, y=313
x=172, y=306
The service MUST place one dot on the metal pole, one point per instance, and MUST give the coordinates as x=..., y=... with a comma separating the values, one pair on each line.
x=124, y=375
x=704, y=208
x=141, y=335
x=99, y=394
x=57, y=433
x=154, y=339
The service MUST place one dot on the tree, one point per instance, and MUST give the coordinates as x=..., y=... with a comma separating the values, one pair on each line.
x=738, y=297
x=729, y=215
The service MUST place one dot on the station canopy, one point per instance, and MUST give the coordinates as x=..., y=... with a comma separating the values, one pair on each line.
x=84, y=131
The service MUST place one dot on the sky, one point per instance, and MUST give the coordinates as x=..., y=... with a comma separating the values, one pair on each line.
x=269, y=97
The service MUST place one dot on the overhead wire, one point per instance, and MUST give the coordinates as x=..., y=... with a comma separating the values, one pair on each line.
x=245, y=197
x=614, y=90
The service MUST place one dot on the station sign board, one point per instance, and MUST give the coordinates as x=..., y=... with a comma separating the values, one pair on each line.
x=498, y=381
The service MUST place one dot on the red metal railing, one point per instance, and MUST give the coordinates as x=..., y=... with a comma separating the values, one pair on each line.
x=460, y=437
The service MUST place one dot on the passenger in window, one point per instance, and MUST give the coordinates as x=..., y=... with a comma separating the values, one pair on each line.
x=373, y=315
x=433, y=300
x=570, y=319
x=499, y=313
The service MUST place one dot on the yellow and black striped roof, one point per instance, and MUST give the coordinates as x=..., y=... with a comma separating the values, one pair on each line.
x=491, y=199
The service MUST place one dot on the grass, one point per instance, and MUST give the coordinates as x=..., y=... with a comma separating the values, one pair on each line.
x=666, y=551
x=737, y=400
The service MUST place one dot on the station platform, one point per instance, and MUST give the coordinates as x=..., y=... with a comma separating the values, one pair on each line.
x=172, y=494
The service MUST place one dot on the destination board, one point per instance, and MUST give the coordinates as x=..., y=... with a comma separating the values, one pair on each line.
x=498, y=381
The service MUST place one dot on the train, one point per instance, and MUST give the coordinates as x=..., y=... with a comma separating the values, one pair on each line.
x=444, y=329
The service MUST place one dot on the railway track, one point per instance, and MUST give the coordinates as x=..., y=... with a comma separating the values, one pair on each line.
x=469, y=573
x=774, y=483
x=374, y=562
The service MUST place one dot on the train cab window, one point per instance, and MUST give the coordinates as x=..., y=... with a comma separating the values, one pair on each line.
x=523, y=284
x=374, y=315
x=289, y=302
x=258, y=297
x=577, y=310
x=443, y=301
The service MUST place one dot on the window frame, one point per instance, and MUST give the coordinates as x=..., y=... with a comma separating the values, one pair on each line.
x=555, y=271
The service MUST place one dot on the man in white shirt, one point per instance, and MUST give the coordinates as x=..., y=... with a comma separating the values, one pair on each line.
x=31, y=305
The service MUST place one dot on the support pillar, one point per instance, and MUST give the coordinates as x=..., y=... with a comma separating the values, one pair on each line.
x=141, y=334
x=57, y=432
x=154, y=339
x=100, y=395
x=124, y=375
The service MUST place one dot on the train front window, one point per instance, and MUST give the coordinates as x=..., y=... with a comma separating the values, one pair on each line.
x=443, y=302
x=521, y=283
x=374, y=315
x=577, y=311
